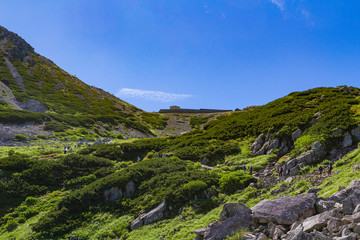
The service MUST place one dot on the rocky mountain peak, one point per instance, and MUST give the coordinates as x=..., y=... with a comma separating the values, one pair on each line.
x=13, y=46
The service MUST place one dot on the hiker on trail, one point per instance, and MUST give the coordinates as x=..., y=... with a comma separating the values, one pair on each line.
x=288, y=172
x=244, y=168
x=329, y=169
x=138, y=159
x=320, y=170
x=251, y=169
x=281, y=171
x=65, y=150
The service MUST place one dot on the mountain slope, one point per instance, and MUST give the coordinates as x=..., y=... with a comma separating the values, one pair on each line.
x=35, y=90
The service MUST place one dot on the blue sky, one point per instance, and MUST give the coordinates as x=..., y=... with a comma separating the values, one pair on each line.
x=222, y=54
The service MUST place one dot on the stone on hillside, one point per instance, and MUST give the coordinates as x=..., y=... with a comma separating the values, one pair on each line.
x=285, y=210
x=313, y=190
x=357, y=209
x=356, y=229
x=335, y=225
x=318, y=150
x=317, y=222
x=150, y=217
x=262, y=237
x=347, y=142
x=341, y=195
x=348, y=237
x=235, y=210
x=323, y=205
x=276, y=231
x=130, y=189
x=298, y=235
x=351, y=201
x=259, y=142
x=319, y=236
x=356, y=133
x=233, y=217
x=295, y=135
x=112, y=194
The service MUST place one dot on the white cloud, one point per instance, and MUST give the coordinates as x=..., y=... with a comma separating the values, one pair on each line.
x=279, y=3
x=151, y=95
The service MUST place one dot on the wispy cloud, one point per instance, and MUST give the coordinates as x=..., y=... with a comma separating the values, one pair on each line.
x=279, y=3
x=151, y=95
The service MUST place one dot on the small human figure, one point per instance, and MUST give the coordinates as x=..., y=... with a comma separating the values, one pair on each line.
x=166, y=155
x=138, y=159
x=320, y=170
x=288, y=172
x=244, y=168
x=281, y=171
x=251, y=170
x=65, y=150
x=329, y=169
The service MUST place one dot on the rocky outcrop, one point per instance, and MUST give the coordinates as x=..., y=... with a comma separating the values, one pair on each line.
x=150, y=217
x=264, y=144
x=233, y=217
x=285, y=210
x=317, y=151
x=112, y=194
x=130, y=189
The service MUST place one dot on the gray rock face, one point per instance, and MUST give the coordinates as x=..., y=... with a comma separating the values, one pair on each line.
x=356, y=133
x=317, y=222
x=298, y=235
x=266, y=145
x=349, y=197
x=285, y=210
x=235, y=210
x=233, y=217
x=130, y=189
x=347, y=142
x=295, y=135
x=323, y=205
x=112, y=194
x=317, y=150
x=256, y=146
x=150, y=217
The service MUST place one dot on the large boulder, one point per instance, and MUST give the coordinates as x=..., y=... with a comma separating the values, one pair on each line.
x=130, y=189
x=259, y=142
x=233, y=217
x=295, y=135
x=235, y=210
x=318, y=222
x=347, y=142
x=150, y=217
x=356, y=133
x=112, y=194
x=285, y=210
x=349, y=197
x=298, y=235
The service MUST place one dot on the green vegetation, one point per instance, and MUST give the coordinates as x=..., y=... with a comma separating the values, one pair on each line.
x=196, y=122
x=50, y=195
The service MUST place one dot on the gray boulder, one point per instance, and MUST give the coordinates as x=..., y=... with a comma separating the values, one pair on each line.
x=298, y=235
x=347, y=142
x=317, y=222
x=285, y=210
x=112, y=194
x=319, y=236
x=233, y=217
x=235, y=210
x=295, y=135
x=150, y=217
x=130, y=189
x=259, y=142
x=356, y=133
x=349, y=197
